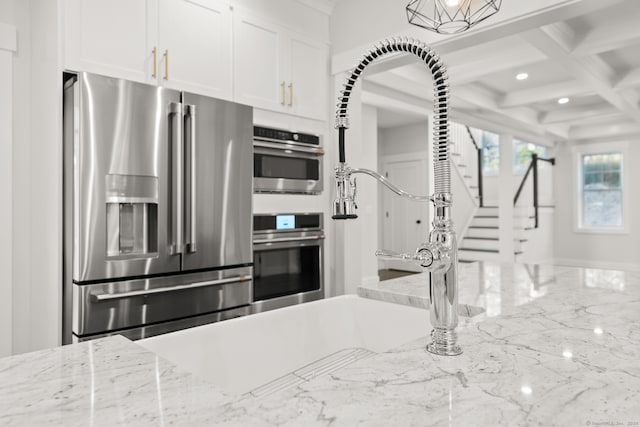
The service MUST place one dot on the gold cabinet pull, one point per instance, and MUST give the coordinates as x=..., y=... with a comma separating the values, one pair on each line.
x=290, y=94
x=155, y=62
x=282, y=86
x=166, y=64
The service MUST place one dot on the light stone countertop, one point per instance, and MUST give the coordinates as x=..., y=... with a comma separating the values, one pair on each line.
x=555, y=346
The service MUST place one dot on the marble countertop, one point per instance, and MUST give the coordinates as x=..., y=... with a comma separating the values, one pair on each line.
x=554, y=346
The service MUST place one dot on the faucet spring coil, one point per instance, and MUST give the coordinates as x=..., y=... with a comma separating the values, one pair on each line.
x=440, y=99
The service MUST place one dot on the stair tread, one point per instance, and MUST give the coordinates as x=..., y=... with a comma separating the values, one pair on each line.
x=483, y=226
x=495, y=251
x=486, y=216
x=518, y=253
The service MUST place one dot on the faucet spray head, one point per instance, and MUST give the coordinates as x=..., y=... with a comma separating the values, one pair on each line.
x=344, y=205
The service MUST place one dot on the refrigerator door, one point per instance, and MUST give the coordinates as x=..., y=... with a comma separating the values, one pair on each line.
x=127, y=154
x=218, y=183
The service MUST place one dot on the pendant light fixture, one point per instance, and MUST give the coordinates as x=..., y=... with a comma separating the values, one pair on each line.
x=450, y=16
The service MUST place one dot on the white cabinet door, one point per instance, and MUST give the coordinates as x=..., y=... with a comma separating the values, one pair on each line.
x=309, y=73
x=195, y=43
x=114, y=37
x=259, y=77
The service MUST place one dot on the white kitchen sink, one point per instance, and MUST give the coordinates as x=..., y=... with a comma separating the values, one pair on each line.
x=241, y=354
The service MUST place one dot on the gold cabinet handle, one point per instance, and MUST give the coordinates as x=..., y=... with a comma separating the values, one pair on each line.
x=166, y=64
x=290, y=94
x=155, y=62
x=282, y=86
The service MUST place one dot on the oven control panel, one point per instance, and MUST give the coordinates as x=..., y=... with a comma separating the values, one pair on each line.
x=284, y=136
x=286, y=222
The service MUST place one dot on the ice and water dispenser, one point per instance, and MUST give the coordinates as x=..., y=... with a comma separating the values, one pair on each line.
x=132, y=216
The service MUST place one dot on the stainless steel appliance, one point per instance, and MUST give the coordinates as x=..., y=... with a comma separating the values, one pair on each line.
x=286, y=162
x=157, y=208
x=288, y=251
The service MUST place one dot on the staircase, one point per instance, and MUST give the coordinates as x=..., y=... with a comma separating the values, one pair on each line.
x=481, y=240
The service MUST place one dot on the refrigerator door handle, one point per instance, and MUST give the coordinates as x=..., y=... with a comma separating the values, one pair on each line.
x=177, y=176
x=191, y=203
x=97, y=297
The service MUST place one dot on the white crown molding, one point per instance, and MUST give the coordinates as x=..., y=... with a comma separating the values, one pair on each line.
x=8, y=37
x=324, y=6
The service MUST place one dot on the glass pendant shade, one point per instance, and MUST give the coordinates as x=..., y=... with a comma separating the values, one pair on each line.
x=450, y=16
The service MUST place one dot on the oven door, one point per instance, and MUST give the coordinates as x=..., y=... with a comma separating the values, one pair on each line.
x=287, y=271
x=286, y=168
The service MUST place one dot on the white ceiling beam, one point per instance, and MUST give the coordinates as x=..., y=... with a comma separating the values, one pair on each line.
x=344, y=61
x=569, y=115
x=604, y=38
x=555, y=40
x=384, y=97
x=468, y=98
x=629, y=79
x=606, y=132
x=544, y=93
x=389, y=99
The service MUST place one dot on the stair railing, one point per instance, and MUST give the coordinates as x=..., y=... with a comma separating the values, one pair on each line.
x=533, y=168
x=479, y=165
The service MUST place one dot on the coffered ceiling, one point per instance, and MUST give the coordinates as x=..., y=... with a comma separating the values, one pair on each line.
x=591, y=56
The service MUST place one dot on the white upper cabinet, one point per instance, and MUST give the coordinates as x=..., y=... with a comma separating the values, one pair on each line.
x=309, y=75
x=258, y=51
x=114, y=37
x=277, y=70
x=206, y=47
x=195, y=43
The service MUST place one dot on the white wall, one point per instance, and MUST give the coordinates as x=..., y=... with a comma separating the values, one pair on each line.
x=597, y=250
x=35, y=199
x=7, y=48
x=414, y=139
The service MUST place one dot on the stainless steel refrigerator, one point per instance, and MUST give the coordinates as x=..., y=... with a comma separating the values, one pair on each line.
x=157, y=208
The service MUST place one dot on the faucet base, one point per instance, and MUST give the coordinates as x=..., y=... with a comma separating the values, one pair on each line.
x=444, y=343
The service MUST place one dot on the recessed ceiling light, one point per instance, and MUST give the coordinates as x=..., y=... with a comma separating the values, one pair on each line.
x=452, y=3
x=563, y=100
x=526, y=389
x=522, y=76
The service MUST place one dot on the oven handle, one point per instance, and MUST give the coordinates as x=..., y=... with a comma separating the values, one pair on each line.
x=107, y=297
x=287, y=239
x=282, y=147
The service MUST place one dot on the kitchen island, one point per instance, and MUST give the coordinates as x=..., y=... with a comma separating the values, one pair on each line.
x=554, y=345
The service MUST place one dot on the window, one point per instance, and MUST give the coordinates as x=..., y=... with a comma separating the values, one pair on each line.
x=601, y=190
x=522, y=155
x=490, y=144
x=601, y=185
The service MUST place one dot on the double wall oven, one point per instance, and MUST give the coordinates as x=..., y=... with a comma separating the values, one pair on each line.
x=286, y=162
x=288, y=251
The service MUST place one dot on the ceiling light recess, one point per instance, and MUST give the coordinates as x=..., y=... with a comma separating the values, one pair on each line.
x=522, y=76
x=563, y=100
x=450, y=16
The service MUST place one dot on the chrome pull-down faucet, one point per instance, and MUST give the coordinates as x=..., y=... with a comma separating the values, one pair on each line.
x=439, y=255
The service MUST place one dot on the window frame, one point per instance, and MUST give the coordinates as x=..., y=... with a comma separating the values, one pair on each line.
x=579, y=151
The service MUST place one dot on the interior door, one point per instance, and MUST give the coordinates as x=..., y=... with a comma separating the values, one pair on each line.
x=405, y=221
x=218, y=209
x=196, y=35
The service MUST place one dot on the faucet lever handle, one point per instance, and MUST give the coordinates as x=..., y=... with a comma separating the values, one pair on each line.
x=424, y=258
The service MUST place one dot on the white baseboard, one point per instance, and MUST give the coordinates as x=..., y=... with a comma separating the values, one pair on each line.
x=604, y=265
